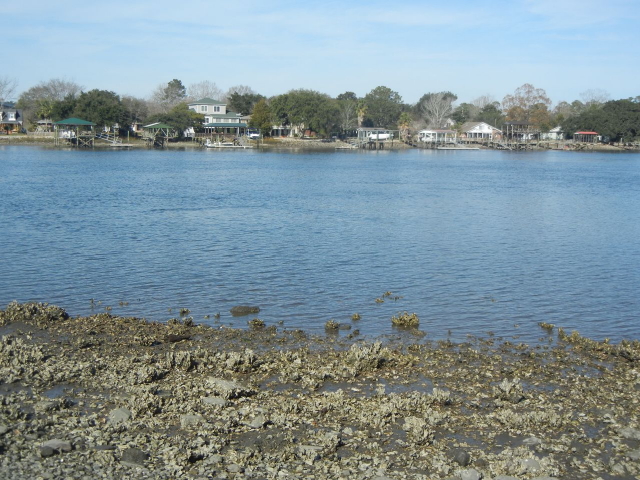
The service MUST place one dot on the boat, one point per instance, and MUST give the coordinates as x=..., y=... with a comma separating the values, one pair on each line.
x=210, y=144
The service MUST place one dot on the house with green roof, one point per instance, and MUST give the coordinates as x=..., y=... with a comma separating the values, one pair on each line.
x=217, y=119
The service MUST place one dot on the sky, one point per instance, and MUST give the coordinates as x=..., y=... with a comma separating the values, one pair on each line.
x=471, y=48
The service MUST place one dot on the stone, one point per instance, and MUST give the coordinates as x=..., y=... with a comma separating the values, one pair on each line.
x=3, y=429
x=119, y=415
x=191, y=420
x=228, y=388
x=634, y=455
x=134, y=456
x=470, y=474
x=258, y=422
x=461, y=457
x=46, y=452
x=504, y=477
x=530, y=465
x=531, y=441
x=216, y=401
x=58, y=445
x=234, y=468
x=630, y=433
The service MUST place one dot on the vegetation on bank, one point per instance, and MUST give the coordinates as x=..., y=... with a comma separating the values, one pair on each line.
x=310, y=110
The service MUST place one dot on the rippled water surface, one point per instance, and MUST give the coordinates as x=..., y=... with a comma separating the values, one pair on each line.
x=474, y=242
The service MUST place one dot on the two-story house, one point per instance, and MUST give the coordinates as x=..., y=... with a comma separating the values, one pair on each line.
x=10, y=118
x=217, y=119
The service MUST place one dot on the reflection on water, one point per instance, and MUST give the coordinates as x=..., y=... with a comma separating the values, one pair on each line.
x=473, y=242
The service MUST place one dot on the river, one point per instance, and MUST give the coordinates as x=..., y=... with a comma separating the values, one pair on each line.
x=474, y=242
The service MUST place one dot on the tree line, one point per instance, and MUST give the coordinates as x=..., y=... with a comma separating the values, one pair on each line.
x=307, y=109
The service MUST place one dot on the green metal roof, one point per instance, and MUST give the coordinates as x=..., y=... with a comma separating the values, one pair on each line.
x=75, y=122
x=207, y=101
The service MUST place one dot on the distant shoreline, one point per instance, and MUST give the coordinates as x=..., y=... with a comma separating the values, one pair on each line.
x=309, y=144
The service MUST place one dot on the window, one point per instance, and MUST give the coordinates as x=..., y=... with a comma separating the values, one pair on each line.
x=216, y=108
x=203, y=108
x=12, y=116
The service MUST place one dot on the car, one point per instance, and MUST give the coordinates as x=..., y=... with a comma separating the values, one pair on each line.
x=253, y=135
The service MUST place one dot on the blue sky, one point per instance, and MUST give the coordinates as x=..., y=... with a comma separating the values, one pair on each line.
x=471, y=48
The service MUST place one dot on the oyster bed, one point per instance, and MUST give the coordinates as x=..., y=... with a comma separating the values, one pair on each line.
x=112, y=397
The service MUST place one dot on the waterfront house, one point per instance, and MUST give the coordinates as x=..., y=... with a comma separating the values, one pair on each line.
x=553, y=134
x=480, y=131
x=437, y=136
x=520, y=131
x=217, y=119
x=10, y=119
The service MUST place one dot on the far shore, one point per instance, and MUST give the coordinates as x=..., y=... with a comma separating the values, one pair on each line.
x=301, y=144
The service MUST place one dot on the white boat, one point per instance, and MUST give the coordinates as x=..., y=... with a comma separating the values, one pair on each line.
x=210, y=144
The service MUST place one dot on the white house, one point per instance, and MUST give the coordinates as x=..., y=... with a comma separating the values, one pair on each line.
x=553, y=134
x=437, y=136
x=479, y=130
x=217, y=119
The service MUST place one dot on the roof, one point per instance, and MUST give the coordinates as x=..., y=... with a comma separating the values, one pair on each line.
x=225, y=125
x=157, y=126
x=466, y=126
x=76, y=122
x=206, y=101
x=586, y=133
x=436, y=130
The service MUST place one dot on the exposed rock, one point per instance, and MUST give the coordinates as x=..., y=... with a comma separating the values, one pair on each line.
x=470, y=474
x=58, y=445
x=134, y=456
x=187, y=421
x=461, y=457
x=242, y=310
x=119, y=415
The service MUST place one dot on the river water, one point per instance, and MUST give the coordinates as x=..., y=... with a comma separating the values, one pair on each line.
x=474, y=242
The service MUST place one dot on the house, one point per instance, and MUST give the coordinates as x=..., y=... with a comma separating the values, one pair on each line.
x=553, y=134
x=437, y=136
x=480, y=131
x=520, y=131
x=217, y=119
x=10, y=119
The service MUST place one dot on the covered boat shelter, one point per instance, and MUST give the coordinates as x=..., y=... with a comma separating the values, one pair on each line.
x=74, y=131
x=585, y=137
x=157, y=134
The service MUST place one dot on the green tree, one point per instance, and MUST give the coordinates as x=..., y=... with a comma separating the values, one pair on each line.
x=465, y=112
x=262, y=118
x=102, y=107
x=383, y=107
x=64, y=108
x=180, y=117
x=305, y=109
x=404, y=125
x=244, y=102
x=491, y=114
x=617, y=119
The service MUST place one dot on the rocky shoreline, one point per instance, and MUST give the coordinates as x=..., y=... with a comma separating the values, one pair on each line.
x=112, y=397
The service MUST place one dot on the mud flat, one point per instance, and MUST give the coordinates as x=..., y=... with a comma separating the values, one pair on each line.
x=111, y=397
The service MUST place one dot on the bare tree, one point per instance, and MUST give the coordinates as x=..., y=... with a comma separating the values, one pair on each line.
x=7, y=87
x=436, y=108
x=483, y=100
x=348, y=111
x=166, y=96
x=204, y=89
x=595, y=97
x=240, y=90
x=38, y=101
